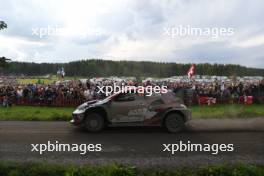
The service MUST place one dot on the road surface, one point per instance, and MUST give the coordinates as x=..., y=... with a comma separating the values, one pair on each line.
x=136, y=146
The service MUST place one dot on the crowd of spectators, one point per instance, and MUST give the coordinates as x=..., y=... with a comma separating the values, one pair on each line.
x=73, y=93
x=222, y=92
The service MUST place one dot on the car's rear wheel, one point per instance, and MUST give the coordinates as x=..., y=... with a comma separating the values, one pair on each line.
x=94, y=122
x=174, y=122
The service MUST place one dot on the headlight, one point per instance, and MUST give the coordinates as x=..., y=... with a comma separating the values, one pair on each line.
x=82, y=107
x=183, y=106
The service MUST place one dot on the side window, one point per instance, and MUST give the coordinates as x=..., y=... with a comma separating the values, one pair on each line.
x=125, y=97
x=157, y=102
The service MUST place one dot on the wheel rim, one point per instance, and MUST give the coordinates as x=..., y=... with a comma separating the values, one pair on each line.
x=93, y=123
x=173, y=123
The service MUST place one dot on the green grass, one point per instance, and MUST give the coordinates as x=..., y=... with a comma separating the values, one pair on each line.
x=43, y=169
x=36, y=81
x=64, y=113
x=228, y=111
x=40, y=80
x=35, y=113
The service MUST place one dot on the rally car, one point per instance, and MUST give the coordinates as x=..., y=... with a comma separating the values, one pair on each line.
x=131, y=109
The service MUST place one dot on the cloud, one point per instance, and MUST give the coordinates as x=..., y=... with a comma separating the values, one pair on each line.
x=133, y=30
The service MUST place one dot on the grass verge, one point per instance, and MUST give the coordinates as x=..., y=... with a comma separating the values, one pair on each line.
x=41, y=80
x=228, y=111
x=64, y=113
x=35, y=113
x=44, y=169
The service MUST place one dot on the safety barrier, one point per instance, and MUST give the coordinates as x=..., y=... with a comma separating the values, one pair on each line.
x=56, y=102
x=71, y=102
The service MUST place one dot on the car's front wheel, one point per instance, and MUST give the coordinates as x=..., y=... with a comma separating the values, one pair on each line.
x=174, y=122
x=94, y=122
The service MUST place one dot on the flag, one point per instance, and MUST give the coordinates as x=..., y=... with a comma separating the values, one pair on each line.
x=191, y=71
x=61, y=72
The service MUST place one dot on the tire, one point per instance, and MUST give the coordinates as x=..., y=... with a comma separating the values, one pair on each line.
x=94, y=122
x=174, y=122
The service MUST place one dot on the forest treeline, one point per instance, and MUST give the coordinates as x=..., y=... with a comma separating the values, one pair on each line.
x=96, y=67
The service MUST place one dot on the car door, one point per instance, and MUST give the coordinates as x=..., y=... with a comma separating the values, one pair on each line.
x=128, y=107
x=154, y=104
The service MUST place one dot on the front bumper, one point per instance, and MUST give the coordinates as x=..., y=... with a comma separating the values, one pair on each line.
x=77, y=117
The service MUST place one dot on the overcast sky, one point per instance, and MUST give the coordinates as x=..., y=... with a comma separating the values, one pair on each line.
x=132, y=30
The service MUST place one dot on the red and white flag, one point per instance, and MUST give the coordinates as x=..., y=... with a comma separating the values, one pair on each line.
x=191, y=71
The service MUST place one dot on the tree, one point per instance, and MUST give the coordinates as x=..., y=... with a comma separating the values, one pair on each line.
x=3, y=59
x=2, y=25
x=101, y=68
